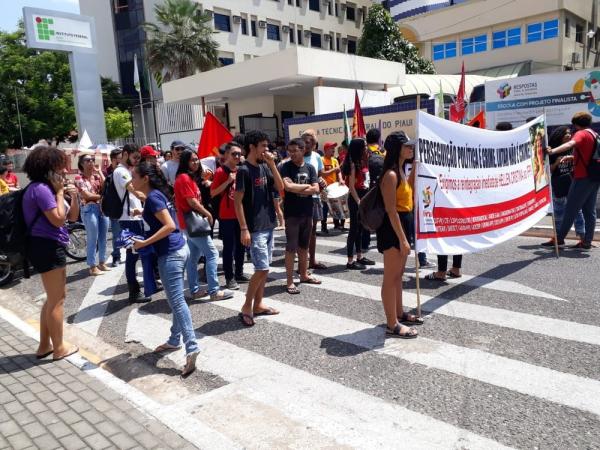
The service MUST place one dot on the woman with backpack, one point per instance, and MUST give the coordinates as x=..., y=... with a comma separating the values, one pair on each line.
x=169, y=245
x=188, y=198
x=393, y=234
x=90, y=184
x=354, y=171
x=45, y=210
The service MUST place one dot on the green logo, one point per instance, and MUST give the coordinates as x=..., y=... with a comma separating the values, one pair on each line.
x=44, y=28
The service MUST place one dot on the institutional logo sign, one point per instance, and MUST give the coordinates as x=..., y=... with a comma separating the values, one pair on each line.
x=60, y=33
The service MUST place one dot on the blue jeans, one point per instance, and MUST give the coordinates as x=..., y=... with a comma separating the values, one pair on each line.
x=116, y=231
x=202, y=246
x=96, y=227
x=171, y=268
x=261, y=249
x=233, y=250
x=137, y=227
x=582, y=196
x=559, y=205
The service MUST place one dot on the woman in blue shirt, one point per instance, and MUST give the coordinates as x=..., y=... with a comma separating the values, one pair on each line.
x=167, y=241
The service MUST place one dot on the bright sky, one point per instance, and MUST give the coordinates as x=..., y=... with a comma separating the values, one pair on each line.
x=12, y=10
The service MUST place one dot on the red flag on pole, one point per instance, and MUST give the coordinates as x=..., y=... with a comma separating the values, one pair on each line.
x=457, y=109
x=214, y=134
x=358, y=123
x=478, y=121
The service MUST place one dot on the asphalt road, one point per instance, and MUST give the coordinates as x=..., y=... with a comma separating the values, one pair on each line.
x=509, y=354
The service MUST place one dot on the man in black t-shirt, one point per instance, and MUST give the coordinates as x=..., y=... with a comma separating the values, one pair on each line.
x=300, y=181
x=256, y=183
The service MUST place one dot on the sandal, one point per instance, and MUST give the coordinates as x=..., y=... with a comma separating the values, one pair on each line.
x=266, y=312
x=166, y=347
x=190, y=364
x=246, y=319
x=431, y=277
x=310, y=280
x=318, y=266
x=43, y=355
x=71, y=351
x=410, y=334
x=453, y=275
x=411, y=318
x=292, y=290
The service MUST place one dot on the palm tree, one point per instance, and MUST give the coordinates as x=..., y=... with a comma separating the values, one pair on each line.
x=183, y=44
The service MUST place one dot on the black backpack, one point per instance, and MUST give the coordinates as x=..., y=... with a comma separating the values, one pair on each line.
x=371, y=209
x=593, y=167
x=112, y=204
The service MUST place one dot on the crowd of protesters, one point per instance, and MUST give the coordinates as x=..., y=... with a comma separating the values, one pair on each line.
x=170, y=203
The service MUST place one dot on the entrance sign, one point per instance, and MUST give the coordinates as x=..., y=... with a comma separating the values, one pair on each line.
x=75, y=34
x=477, y=188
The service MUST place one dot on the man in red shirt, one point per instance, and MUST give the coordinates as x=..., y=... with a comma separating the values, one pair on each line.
x=584, y=191
x=11, y=178
x=223, y=187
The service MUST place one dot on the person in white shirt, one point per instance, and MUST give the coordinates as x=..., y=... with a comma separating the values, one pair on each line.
x=169, y=168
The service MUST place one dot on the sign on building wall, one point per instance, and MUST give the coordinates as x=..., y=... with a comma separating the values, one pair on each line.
x=330, y=127
x=61, y=31
x=559, y=95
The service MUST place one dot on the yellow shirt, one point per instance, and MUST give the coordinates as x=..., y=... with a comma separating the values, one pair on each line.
x=404, y=197
x=376, y=149
x=330, y=163
x=3, y=187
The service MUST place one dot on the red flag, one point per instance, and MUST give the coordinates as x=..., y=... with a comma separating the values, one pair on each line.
x=457, y=109
x=214, y=134
x=478, y=121
x=358, y=123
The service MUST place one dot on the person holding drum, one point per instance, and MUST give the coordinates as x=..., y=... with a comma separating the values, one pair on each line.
x=331, y=174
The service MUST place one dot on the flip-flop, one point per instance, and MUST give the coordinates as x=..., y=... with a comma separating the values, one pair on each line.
x=74, y=350
x=267, y=312
x=243, y=316
x=453, y=275
x=190, y=364
x=292, y=290
x=431, y=277
x=416, y=319
x=310, y=280
x=43, y=355
x=396, y=332
x=318, y=266
x=166, y=348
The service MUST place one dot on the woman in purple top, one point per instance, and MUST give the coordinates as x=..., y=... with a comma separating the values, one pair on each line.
x=46, y=210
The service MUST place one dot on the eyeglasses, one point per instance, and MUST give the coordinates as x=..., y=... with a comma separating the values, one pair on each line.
x=236, y=154
x=89, y=160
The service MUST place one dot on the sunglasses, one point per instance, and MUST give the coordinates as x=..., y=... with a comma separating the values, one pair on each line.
x=236, y=154
x=89, y=160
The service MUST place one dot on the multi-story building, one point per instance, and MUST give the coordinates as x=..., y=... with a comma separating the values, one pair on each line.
x=401, y=9
x=508, y=37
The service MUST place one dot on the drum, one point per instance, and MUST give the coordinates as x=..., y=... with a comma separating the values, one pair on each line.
x=337, y=200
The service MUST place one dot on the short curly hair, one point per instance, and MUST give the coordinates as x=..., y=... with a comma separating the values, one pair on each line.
x=42, y=160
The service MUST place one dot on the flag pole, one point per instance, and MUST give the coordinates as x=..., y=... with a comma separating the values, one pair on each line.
x=416, y=206
x=549, y=177
x=138, y=87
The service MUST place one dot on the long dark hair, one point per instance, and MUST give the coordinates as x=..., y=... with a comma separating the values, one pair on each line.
x=355, y=156
x=155, y=177
x=184, y=166
x=393, y=147
x=556, y=138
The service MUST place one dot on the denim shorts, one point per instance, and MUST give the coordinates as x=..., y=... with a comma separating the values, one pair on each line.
x=261, y=249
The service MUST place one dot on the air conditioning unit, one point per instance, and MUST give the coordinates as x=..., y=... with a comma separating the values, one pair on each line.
x=307, y=33
x=236, y=19
x=285, y=29
x=262, y=24
x=327, y=37
x=575, y=58
x=209, y=13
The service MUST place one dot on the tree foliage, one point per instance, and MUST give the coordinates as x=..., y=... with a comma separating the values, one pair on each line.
x=112, y=96
x=182, y=43
x=118, y=123
x=42, y=83
x=382, y=39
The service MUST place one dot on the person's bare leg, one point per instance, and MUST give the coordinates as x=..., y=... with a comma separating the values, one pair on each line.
x=258, y=297
x=289, y=268
x=303, y=263
x=391, y=265
x=45, y=344
x=402, y=266
x=54, y=283
x=312, y=244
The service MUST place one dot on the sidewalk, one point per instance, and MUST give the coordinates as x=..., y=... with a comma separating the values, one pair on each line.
x=543, y=229
x=47, y=405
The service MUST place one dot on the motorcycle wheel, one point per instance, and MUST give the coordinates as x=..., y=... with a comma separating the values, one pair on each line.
x=77, y=248
x=6, y=273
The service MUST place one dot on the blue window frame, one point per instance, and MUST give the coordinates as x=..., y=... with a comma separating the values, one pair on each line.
x=474, y=44
x=226, y=61
x=443, y=51
x=534, y=32
x=542, y=30
x=551, y=29
x=222, y=22
x=244, y=26
x=506, y=38
x=273, y=33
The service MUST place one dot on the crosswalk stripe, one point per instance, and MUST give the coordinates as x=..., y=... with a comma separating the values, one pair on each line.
x=288, y=395
x=92, y=308
x=547, y=384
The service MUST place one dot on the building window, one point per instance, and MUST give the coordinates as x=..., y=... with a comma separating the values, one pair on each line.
x=314, y=5
x=273, y=33
x=475, y=44
x=222, y=22
x=352, y=47
x=226, y=61
x=244, y=26
x=542, y=30
x=330, y=9
x=121, y=6
x=253, y=27
x=350, y=13
x=299, y=36
x=291, y=34
x=579, y=33
x=336, y=10
x=567, y=27
x=291, y=2
x=298, y=3
x=337, y=43
x=315, y=40
x=506, y=38
x=443, y=51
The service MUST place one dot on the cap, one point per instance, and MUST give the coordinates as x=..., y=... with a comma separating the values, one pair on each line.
x=147, y=150
x=395, y=139
x=329, y=145
x=177, y=143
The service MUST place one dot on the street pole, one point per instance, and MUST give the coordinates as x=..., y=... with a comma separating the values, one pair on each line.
x=19, y=117
x=142, y=114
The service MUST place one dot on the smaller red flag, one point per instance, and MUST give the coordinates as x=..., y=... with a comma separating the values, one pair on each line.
x=214, y=134
x=478, y=121
x=458, y=108
x=358, y=123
